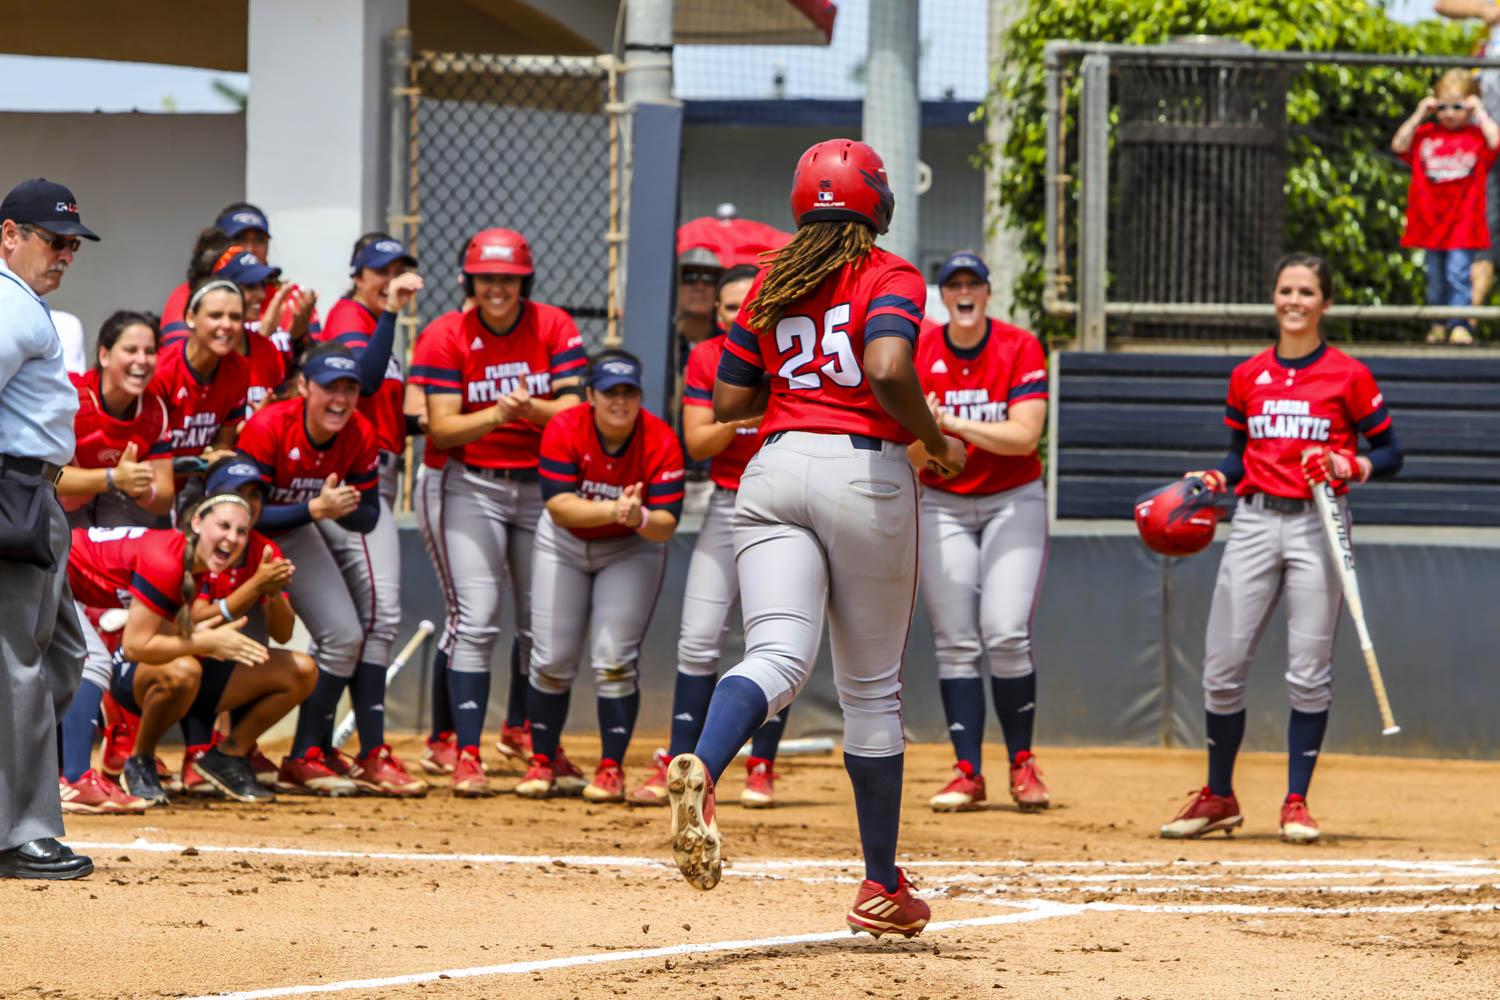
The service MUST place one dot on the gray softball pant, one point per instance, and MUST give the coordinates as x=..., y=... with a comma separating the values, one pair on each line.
x=488, y=535
x=711, y=591
x=606, y=589
x=427, y=504
x=982, y=563
x=825, y=525
x=1269, y=554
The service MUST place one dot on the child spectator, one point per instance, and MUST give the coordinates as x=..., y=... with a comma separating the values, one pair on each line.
x=1445, y=206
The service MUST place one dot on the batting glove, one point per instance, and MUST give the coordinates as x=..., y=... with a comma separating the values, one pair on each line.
x=1212, y=479
x=1332, y=465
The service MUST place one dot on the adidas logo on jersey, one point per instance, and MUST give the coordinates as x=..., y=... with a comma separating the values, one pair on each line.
x=939, y=367
x=468, y=706
x=182, y=392
x=476, y=345
x=1264, y=379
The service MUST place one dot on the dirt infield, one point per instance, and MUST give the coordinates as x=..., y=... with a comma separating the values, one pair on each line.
x=445, y=898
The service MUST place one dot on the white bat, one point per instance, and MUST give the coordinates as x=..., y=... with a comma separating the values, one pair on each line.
x=425, y=628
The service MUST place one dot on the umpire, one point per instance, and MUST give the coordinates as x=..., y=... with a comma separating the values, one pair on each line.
x=41, y=642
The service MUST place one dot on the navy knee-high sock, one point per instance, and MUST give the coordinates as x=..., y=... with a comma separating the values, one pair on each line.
x=737, y=710
x=315, y=716
x=877, y=801
x=468, y=694
x=767, y=739
x=77, y=730
x=442, y=709
x=963, y=707
x=367, y=691
x=1304, y=740
x=1015, y=704
x=516, y=700
x=196, y=731
x=617, y=724
x=690, y=698
x=1224, y=735
x=548, y=714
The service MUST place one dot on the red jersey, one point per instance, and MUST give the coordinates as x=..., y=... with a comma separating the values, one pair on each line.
x=1445, y=200
x=102, y=437
x=814, y=354
x=1326, y=398
x=196, y=408
x=110, y=567
x=292, y=467
x=982, y=383
x=352, y=324
x=174, y=320
x=174, y=314
x=217, y=586
x=574, y=461
x=480, y=366
x=432, y=456
x=727, y=466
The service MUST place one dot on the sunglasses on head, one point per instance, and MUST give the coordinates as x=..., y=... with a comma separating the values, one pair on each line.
x=1452, y=107
x=57, y=243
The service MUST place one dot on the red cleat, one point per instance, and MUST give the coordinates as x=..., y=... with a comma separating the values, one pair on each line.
x=608, y=784
x=469, y=780
x=877, y=911
x=566, y=778
x=1026, y=786
x=119, y=740
x=695, y=828
x=95, y=795
x=440, y=756
x=653, y=791
x=760, y=784
x=1206, y=813
x=265, y=771
x=515, y=741
x=194, y=783
x=537, y=782
x=309, y=775
x=380, y=772
x=963, y=794
x=338, y=762
x=1297, y=824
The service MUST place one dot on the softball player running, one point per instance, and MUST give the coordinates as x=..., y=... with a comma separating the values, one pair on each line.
x=163, y=672
x=612, y=478
x=1301, y=397
x=984, y=533
x=826, y=515
x=493, y=380
x=317, y=457
x=712, y=586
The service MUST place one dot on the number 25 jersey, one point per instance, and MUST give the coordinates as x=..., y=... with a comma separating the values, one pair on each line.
x=815, y=354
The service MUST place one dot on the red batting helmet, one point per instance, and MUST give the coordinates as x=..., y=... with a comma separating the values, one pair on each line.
x=498, y=251
x=840, y=180
x=1179, y=519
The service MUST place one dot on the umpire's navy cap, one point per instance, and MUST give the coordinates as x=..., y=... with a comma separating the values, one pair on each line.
x=47, y=204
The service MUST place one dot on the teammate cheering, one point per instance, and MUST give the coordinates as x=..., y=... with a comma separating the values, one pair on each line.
x=612, y=476
x=827, y=510
x=712, y=586
x=163, y=673
x=494, y=380
x=1295, y=412
x=984, y=533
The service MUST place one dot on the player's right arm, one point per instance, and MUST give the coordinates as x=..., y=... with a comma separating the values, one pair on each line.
x=703, y=435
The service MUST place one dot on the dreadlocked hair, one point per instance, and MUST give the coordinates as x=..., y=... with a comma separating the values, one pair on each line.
x=797, y=269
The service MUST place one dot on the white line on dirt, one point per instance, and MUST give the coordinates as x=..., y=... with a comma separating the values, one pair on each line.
x=1043, y=911
x=1243, y=909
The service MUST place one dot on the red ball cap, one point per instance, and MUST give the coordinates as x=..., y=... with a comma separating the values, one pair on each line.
x=1179, y=519
x=839, y=180
x=498, y=251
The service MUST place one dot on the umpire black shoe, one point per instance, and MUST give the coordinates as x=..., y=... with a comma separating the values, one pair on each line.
x=44, y=858
x=139, y=778
x=233, y=776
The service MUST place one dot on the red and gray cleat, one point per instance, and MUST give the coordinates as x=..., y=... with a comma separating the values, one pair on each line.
x=964, y=793
x=469, y=780
x=515, y=741
x=265, y=771
x=760, y=784
x=566, y=778
x=94, y=794
x=1297, y=824
x=440, y=756
x=653, y=791
x=695, y=830
x=1206, y=813
x=877, y=911
x=537, y=782
x=608, y=784
x=1026, y=786
x=311, y=775
x=380, y=772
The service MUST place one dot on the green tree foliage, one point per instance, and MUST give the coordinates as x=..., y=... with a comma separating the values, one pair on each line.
x=1345, y=191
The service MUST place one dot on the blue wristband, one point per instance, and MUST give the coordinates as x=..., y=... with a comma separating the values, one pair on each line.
x=224, y=610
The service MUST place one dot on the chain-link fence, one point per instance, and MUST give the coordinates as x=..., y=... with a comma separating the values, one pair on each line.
x=1178, y=174
x=522, y=142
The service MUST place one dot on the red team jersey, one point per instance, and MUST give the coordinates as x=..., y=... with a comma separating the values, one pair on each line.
x=982, y=383
x=217, y=586
x=350, y=323
x=174, y=321
x=110, y=567
x=1445, y=201
x=432, y=456
x=469, y=359
x=292, y=467
x=725, y=468
x=267, y=364
x=573, y=460
x=814, y=354
x=198, y=409
x=1328, y=399
x=102, y=437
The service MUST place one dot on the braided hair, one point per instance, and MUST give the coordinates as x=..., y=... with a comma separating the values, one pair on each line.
x=797, y=269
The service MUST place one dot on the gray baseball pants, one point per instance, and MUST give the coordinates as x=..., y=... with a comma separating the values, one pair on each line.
x=427, y=504
x=712, y=588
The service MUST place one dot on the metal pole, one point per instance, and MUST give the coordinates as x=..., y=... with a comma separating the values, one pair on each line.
x=1052, y=290
x=646, y=71
x=1002, y=243
x=1093, y=223
x=399, y=221
x=892, y=121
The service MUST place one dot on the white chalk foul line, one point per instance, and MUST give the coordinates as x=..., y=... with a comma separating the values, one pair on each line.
x=1042, y=912
x=1243, y=909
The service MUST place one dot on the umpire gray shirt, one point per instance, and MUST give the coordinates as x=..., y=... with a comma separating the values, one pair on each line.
x=37, y=401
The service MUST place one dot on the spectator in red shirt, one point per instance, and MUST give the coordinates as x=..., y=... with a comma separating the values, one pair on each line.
x=1445, y=207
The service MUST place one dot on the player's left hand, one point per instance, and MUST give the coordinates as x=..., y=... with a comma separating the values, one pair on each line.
x=1330, y=465
x=628, y=509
